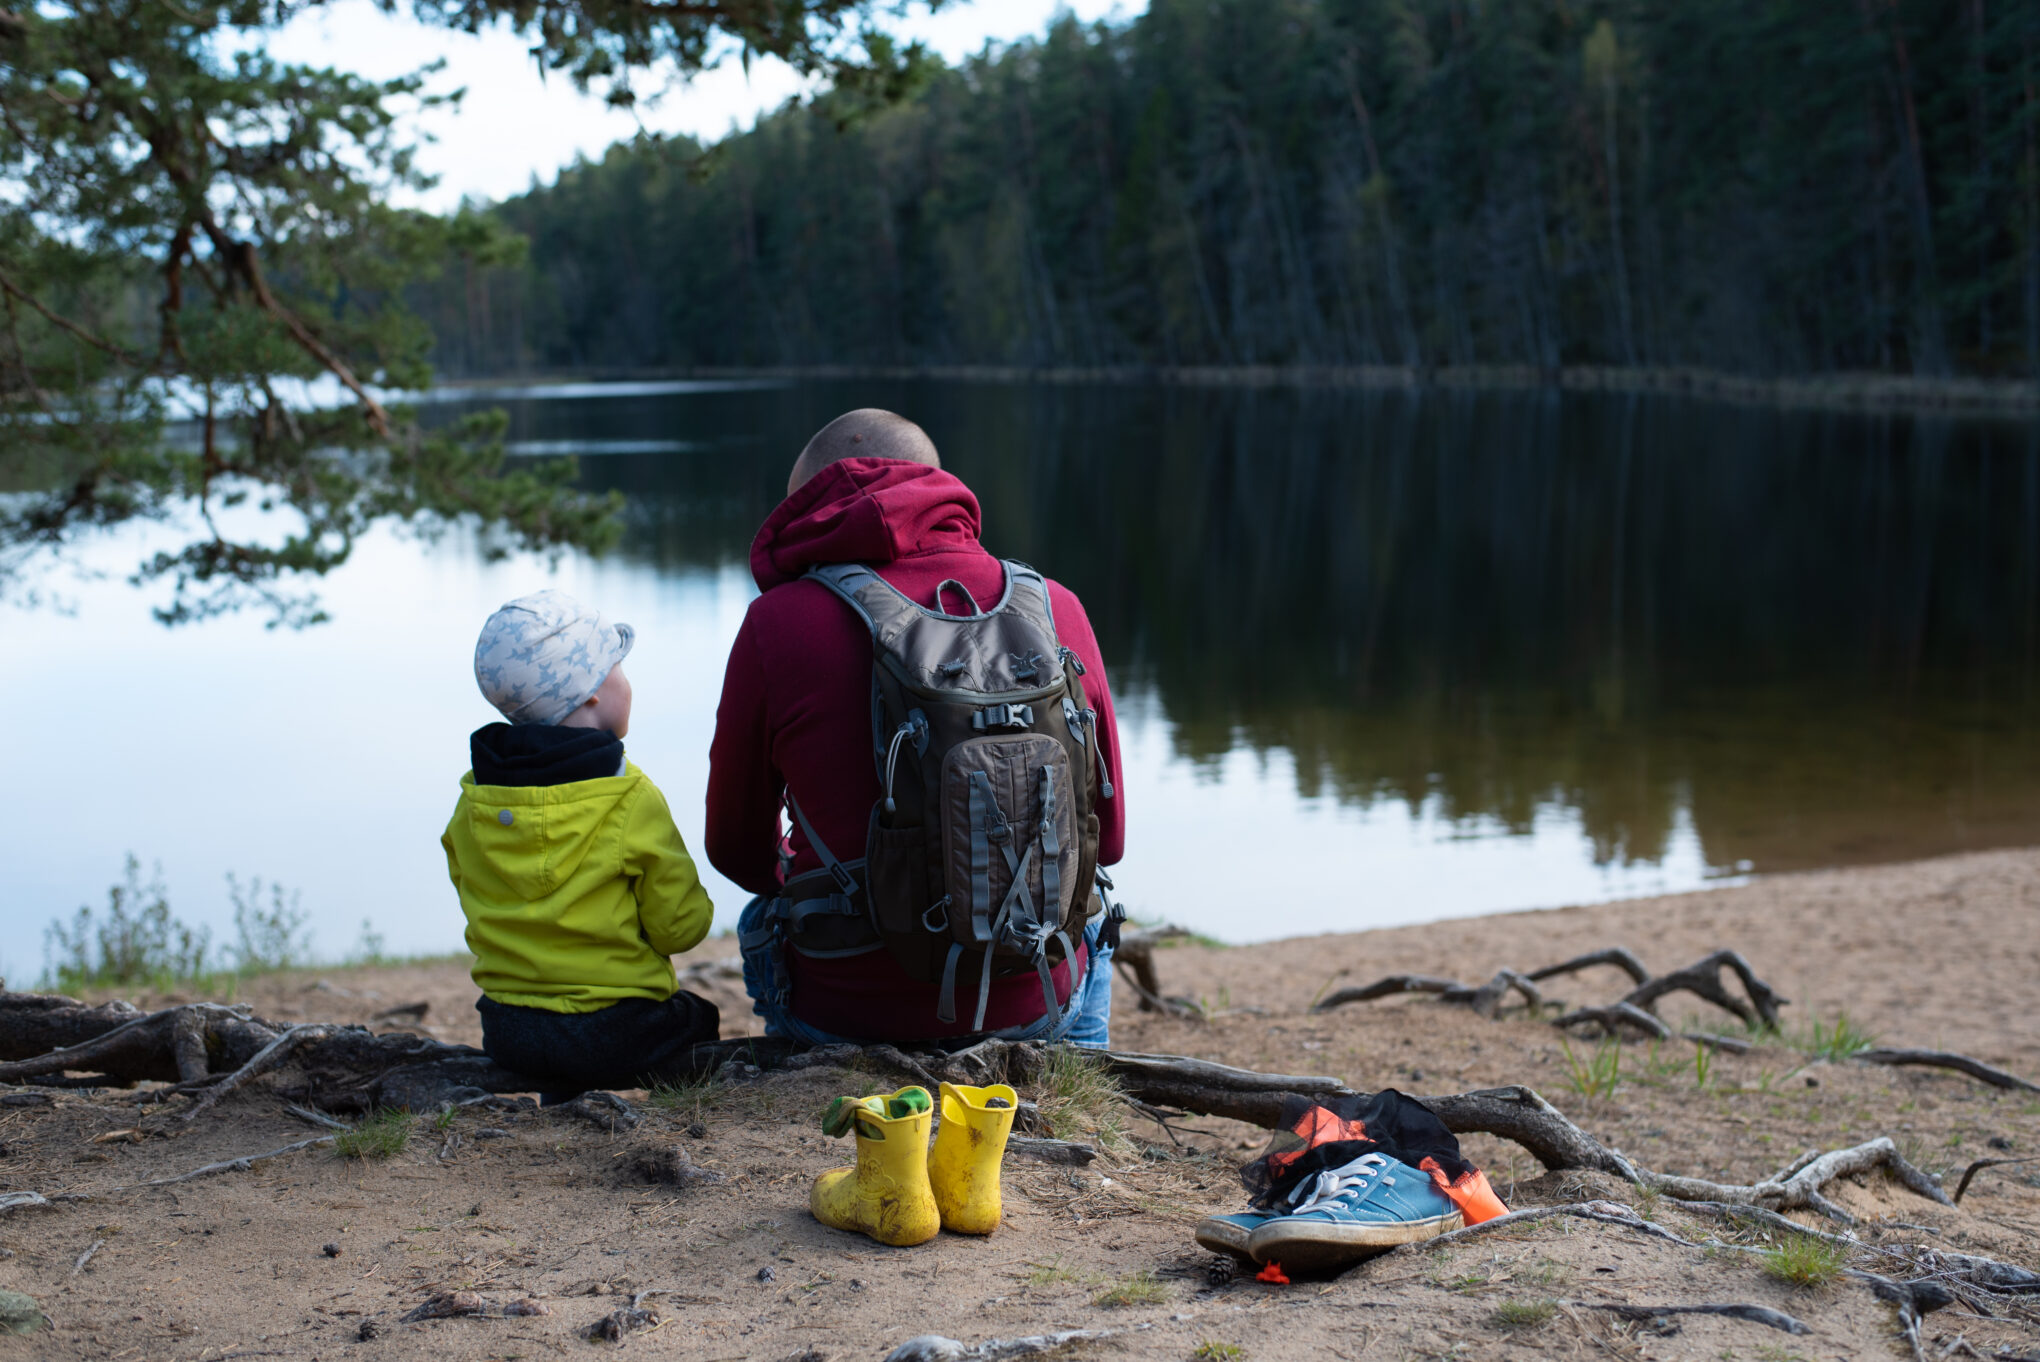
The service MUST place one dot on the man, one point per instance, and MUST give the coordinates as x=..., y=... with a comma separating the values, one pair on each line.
x=796, y=719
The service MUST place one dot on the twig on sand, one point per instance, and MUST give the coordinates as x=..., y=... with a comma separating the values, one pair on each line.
x=1607, y=1212
x=317, y=1118
x=1050, y=1151
x=1755, y=1314
x=936, y=1348
x=12, y=1200
x=87, y=1256
x=1947, y=1059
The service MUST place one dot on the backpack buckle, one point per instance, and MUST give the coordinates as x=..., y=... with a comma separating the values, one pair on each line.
x=845, y=881
x=1003, y=716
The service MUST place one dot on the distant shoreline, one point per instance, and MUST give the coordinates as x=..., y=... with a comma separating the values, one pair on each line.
x=1842, y=392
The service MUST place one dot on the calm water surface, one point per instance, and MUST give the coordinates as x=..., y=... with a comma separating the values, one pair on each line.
x=1382, y=658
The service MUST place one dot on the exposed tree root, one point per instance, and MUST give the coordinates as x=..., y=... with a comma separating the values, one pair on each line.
x=1606, y=1212
x=1943, y=1059
x=1758, y=1006
x=1135, y=958
x=349, y=1069
x=1612, y=1018
x=1384, y=988
x=268, y=1057
x=1797, y=1187
x=1973, y=1169
x=1703, y=978
x=1615, y=956
x=1915, y=1301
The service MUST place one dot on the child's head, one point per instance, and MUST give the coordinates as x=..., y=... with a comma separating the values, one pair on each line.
x=547, y=659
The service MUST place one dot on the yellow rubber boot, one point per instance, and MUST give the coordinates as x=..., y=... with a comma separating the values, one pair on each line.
x=964, y=1164
x=886, y=1193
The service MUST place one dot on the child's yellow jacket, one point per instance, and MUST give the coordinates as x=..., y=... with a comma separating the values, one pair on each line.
x=575, y=894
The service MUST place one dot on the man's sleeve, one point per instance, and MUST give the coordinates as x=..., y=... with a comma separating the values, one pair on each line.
x=1073, y=627
x=673, y=908
x=743, y=785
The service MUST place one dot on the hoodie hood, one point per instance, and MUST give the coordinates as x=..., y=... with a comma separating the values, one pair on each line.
x=523, y=826
x=542, y=754
x=864, y=511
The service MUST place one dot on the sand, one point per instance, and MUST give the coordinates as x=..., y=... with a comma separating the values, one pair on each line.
x=534, y=1206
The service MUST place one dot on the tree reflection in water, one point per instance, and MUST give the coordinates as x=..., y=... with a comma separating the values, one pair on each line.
x=1816, y=631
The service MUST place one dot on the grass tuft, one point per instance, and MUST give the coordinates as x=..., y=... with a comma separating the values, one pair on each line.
x=1834, y=1041
x=1142, y=1288
x=1077, y=1097
x=379, y=1137
x=690, y=1098
x=1599, y=1074
x=1050, y=1273
x=1212, y=1350
x=1516, y=1315
x=1804, y=1261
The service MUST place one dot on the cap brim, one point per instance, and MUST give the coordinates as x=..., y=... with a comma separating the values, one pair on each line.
x=626, y=637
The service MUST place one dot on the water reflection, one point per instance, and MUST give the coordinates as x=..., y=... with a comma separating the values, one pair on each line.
x=1382, y=658
x=1813, y=634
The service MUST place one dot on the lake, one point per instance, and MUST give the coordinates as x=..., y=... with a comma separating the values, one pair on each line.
x=1382, y=657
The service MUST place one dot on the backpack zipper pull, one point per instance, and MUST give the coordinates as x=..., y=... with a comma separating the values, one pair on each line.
x=1098, y=746
x=892, y=756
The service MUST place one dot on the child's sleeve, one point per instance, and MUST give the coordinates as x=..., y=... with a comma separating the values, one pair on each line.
x=673, y=908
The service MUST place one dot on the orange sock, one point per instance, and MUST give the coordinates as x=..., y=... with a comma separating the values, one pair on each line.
x=1476, y=1200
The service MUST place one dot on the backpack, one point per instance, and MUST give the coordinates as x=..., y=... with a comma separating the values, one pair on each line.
x=982, y=848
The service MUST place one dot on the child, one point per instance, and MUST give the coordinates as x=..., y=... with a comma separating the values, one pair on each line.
x=574, y=880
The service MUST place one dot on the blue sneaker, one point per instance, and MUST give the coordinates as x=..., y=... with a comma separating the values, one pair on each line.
x=1346, y=1214
x=1228, y=1233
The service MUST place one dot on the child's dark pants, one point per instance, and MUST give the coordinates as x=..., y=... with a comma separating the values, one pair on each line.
x=631, y=1043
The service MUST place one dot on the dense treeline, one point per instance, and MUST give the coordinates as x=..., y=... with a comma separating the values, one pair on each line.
x=1762, y=186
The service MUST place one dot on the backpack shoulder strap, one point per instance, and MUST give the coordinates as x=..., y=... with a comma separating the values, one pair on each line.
x=1026, y=585
x=864, y=591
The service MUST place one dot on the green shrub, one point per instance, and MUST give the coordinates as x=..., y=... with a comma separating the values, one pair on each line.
x=137, y=941
x=272, y=937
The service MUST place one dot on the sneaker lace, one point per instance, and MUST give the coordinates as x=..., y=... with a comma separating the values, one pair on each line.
x=1347, y=1180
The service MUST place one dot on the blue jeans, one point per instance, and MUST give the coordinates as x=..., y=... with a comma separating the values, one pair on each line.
x=1086, y=1019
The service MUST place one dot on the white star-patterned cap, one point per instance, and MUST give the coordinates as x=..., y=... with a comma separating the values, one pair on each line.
x=541, y=656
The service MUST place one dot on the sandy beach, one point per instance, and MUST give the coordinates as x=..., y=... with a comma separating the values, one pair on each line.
x=519, y=1205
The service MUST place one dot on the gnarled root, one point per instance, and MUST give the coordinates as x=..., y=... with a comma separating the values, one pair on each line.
x=1612, y=1018
x=1702, y=978
x=1797, y=1186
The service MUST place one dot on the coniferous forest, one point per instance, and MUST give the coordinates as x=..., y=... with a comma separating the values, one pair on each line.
x=1765, y=187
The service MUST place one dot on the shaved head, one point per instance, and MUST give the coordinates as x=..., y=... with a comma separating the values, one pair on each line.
x=867, y=433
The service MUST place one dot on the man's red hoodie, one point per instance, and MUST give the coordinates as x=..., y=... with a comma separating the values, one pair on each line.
x=796, y=713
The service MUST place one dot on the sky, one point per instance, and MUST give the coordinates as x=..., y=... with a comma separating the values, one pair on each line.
x=514, y=126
